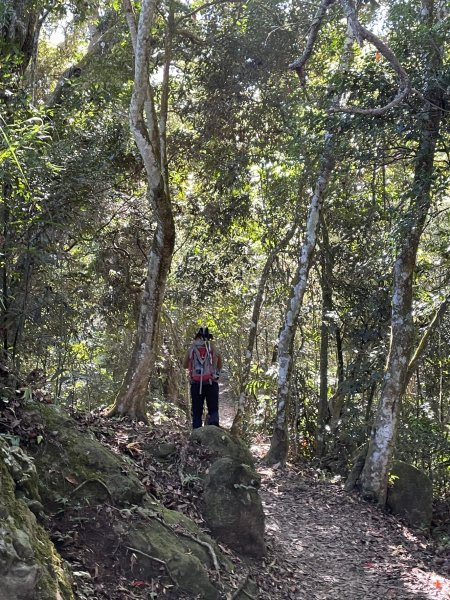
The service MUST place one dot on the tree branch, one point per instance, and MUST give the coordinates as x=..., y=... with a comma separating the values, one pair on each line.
x=299, y=64
x=425, y=337
x=130, y=17
x=157, y=560
x=201, y=543
x=136, y=551
x=202, y=7
x=361, y=34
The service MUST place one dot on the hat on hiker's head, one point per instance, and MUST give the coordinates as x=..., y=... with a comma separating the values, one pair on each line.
x=203, y=334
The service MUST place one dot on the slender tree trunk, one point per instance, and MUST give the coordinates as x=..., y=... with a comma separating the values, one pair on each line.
x=21, y=302
x=17, y=281
x=327, y=307
x=18, y=28
x=339, y=357
x=132, y=397
x=279, y=444
x=381, y=446
x=369, y=405
x=5, y=274
x=435, y=322
x=236, y=427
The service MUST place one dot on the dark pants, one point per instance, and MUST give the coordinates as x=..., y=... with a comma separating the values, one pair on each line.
x=210, y=393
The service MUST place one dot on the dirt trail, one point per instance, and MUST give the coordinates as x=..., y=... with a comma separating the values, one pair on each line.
x=227, y=406
x=326, y=544
x=332, y=545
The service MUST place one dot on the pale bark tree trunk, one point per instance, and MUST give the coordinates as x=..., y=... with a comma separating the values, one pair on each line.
x=323, y=413
x=236, y=428
x=279, y=444
x=132, y=397
x=435, y=321
x=381, y=446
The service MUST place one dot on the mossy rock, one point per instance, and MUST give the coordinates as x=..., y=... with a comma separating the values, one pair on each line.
x=248, y=590
x=30, y=567
x=155, y=540
x=177, y=519
x=223, y=444
x=21, y=468
x=233, y=508
x=410, y=495
x=73, y=464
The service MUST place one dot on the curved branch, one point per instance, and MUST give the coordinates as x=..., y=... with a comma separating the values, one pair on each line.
x=299, y=64
x=426, y=335
x=130, y=17
x=361, y=34
x=192, y=13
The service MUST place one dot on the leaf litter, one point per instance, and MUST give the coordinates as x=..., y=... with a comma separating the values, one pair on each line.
x=322, y=543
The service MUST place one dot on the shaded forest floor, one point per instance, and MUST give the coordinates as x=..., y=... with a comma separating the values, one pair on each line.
x=329, y=545
x=326, y=544
x=323, y=543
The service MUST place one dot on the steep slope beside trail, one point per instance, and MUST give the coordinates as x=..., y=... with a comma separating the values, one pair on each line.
x=326, y=544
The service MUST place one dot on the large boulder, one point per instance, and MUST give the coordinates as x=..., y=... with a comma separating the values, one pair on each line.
x=233, y=508
x=88, y=484
x=160, y=537
x=410, y=495
x=74, y=465
x=222, y=443
x=30, y=567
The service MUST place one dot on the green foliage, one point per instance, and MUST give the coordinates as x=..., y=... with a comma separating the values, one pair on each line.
x=244, y=148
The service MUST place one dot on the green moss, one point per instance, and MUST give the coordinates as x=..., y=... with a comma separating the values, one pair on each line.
x=172, y=517
x=67, y=459
x=152, y=539
x=44, y=576
x=53, y=581
x=223, y=444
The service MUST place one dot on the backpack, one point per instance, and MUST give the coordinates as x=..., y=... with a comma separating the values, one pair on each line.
x=202, y=363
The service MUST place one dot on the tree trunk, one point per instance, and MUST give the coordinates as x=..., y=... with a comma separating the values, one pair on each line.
x=5, y=273
x=18, y=29
x=381, y=446
x=279, y=444
x=132, y=397
x=236, y=427
x=327, y=307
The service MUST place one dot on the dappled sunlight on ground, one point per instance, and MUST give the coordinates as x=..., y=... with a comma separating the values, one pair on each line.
x=333, y=545
x=437, y=585
x=326, y=544
x=227, y=405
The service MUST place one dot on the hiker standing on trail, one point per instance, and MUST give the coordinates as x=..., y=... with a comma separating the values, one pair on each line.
x=204, y=363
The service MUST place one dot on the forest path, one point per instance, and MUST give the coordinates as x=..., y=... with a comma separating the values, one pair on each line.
x=227, y=405
x=331, y=545
x=326, y=544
